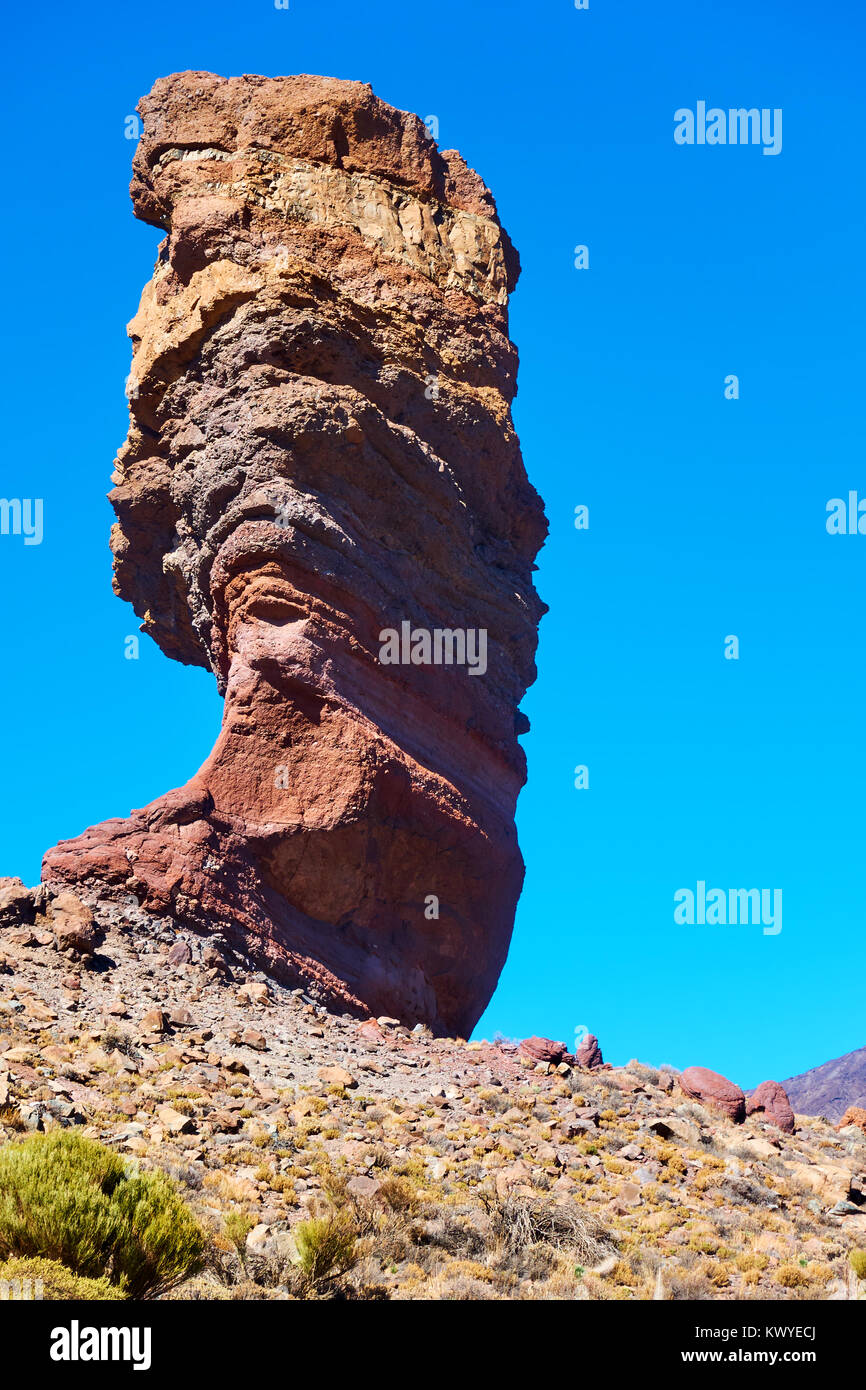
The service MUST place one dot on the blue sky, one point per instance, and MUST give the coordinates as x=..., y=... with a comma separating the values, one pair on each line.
x=707, y=516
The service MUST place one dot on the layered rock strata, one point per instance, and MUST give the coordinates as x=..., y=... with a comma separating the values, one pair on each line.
x=321, y=452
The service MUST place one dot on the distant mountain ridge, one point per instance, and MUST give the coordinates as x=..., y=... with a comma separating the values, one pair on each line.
x=829, y=1090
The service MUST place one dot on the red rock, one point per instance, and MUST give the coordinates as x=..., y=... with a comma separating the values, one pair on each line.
x=770, y=1099
x=321, y=449
x=154, y=1022
x=543, y=1050
x=72, y=923
x=370, y=1030
x=589, y=1053
x=714, y=1091
x=854, y=1115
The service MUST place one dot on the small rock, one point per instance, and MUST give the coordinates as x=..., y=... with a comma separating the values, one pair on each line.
x=336, y=1076
x=363, y=1186
x=155, y=1021
x=256, y=992
x=173, y=1121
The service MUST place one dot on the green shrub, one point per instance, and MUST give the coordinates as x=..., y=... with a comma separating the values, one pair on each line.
x=69, y=1199
x=237, y=1227
x=858, y=1263
x=52, y=1281
x=326, y=1245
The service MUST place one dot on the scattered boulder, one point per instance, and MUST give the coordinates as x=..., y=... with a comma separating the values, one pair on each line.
x=336, y=1076
x=256, y=992
x=362, y=1186
x=71, y=921
x=589, y=1053
x=770, y=1099
x=17, y=904
x=714, y=1091
x=854, y=1115
x=543, y=1050
x=173, y=1121
x=155, y=1021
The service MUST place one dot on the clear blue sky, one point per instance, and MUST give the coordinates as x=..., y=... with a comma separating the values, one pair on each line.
x=707, y=516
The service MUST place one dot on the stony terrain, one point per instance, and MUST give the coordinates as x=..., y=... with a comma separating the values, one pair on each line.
x=460, y=1170
x=320, y=451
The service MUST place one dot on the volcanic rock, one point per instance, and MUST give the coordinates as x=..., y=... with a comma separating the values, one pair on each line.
x=16, y=903
x=854, y=1115
x=72, y=923
x=589, y=1053
x=771, y=1100
x=542, y=1050
x=714, y=1091
x=321, y=454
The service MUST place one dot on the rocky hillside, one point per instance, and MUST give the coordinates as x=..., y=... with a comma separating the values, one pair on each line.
x=830, y=1089
x=440, y=1169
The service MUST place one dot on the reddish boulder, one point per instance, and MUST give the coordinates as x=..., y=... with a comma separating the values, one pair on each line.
x=714, y=1091
x=854, y=1115
x=543, y=1050
x=588, y=1053
x=322, y=500
x=71, y=920
x=770, y=1099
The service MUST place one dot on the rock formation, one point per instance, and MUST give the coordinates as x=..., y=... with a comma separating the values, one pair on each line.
x=716, y=1092
x=321, y=452
x=589, y=1052
x=770, y=1100
x=543, y=1050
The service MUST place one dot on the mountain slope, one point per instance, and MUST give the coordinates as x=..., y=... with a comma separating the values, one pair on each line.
x=828, y=1090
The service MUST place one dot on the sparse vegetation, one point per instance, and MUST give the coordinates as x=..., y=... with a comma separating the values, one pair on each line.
x=325, y=1245
x=68, y=1199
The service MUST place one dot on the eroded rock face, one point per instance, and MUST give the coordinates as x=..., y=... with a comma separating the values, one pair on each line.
x=321, y=449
